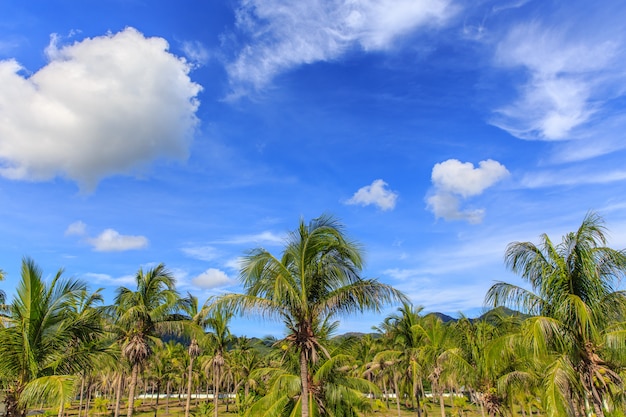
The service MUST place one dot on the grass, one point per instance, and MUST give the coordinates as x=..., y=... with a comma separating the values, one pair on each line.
x=177, y=409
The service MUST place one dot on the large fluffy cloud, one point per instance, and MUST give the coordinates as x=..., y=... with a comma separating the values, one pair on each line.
x=102, y=106
x=376, y=194
x=285, y=34
x=454, y=180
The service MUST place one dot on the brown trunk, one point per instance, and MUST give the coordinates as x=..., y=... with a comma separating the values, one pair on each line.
x=216, y=389
x=189, y=381
x=304, y=380
x=82, y=390
x=118, y=394
x=395, y=383
x=11, y=403
x=167, y=397
x=131, y=390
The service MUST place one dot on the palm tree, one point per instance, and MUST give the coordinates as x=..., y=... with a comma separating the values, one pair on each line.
x=142, y=315
x=217, y=341
x=44, y=344
x=401, y=331
x=336, y=390
x=195, y=321
x=435, y=348
x=317, y=278
x=576, y=311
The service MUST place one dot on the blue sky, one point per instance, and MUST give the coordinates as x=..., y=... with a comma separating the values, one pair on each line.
x=437, y=131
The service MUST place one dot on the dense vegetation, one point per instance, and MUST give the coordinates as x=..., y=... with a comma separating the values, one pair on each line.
x=564, y=355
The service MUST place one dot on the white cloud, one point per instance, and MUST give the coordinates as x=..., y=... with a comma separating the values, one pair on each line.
x=103, y=106
x=284, y=35
x=196, y=52
x=453, y=180
x=571, y=178
x=376, y=194
x=203, y=253
x=95, y=278
x=77, y=228
x=267, y=237
x=212, y=278
x=572, y=73
x=111, y=241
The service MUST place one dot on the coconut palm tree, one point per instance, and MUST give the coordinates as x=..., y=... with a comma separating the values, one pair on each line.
x=217, y=341
x=317, y=278
x=44, y=344
x=401, y=330
x=577, y=311
x=336, y=390
x=142, y=315
x=195, y=321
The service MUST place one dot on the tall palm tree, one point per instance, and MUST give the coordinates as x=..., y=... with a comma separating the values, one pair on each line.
x=44, y=344
x=142, y=315
x=217, y=340
x=195, y=321
x=336, y=391
x=576, y=311
x=317, y=278
x=401, y=330
x=435, y=348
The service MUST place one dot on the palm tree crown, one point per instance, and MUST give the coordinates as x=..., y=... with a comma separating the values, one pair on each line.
x=316, y=279
x=575, y=305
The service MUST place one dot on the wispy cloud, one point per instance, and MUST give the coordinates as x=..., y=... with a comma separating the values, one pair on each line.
x=570, y=177
x=196, y=52
x=101, y=106
x=104, y=279
x=283, y=35
x=573, y=68
x=454, y=180
x=267, y=237
x=203, y=253
x=77, y=228
x=377, y=194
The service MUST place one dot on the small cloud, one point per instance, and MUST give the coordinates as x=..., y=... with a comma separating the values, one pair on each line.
x=376, y=194
x=212, y=278
x=454, y=180
x=77, y=228
x=111, y=241
x=203, y=253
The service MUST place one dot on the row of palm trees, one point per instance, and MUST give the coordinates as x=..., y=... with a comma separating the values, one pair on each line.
x=565, y=355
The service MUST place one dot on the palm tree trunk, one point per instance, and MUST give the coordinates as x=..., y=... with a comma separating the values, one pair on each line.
x=131, y=390
x=118, y=394
x=304, y=380
x=216, y=390
x=189, y=381
x=397, y=388
x=82, y=390
x=167, y=398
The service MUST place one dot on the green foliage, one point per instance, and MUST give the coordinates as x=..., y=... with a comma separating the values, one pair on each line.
x=204, y=409
x=578, y=318
x=100, y=405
